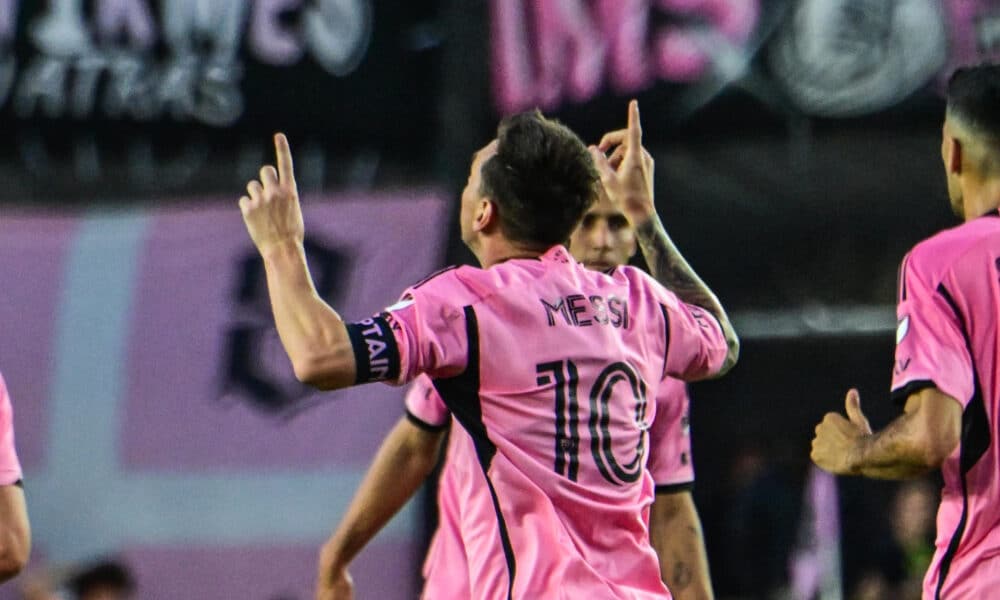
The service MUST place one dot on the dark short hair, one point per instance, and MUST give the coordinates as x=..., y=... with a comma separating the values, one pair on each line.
x=107, y=574
x=974, y=99
x=542, y=179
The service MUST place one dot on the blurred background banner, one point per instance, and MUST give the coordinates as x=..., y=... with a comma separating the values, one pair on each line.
x=829, y=57
x=137, y=91
x=156, y=412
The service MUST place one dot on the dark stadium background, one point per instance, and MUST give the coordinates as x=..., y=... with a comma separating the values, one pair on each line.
x=794, y=169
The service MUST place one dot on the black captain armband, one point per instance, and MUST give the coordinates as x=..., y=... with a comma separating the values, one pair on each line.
x=375, y=351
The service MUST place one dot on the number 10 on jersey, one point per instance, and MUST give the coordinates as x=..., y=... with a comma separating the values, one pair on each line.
x=565, y=375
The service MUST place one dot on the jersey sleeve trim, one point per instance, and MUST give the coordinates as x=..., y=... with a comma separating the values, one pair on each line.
x=376, y=353
x=674, y=488
x=421, y=424
x=900, y=394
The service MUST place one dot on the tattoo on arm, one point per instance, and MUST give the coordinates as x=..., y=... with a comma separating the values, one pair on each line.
x=668, y=266
x=892, y=453
x=681, y=577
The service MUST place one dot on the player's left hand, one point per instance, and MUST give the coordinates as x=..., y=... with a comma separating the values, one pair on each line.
x=837, y=438
x=271, y=208
x=627, y=175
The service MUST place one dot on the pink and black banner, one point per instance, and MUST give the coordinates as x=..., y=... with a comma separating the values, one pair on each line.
x=156, y=414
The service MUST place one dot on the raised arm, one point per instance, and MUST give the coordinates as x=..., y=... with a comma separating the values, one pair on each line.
x=313, y=334
x=914, y=443
x=676, y=534
x=402, y=464
x=627, y=177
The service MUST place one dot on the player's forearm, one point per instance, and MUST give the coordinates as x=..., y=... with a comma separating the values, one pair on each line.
x=894, y=453
x=668, y=266
x=676, y=534
x=312, y=333
x=401, y=466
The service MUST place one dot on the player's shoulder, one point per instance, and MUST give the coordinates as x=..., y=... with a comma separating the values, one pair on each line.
x=642, y=284
x=456, y=284
x=932, y=258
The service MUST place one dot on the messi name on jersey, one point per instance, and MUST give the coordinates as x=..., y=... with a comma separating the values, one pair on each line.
x=578, y=310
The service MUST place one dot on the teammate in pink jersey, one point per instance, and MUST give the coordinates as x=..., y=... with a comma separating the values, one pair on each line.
x=946, y=368
x=15, y=531
x=548, y=366
x=603, y=240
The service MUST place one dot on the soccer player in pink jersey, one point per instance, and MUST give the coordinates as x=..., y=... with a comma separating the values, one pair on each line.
x=946, y=370
x=548, y=366
x=604, y=240
x=15, y=531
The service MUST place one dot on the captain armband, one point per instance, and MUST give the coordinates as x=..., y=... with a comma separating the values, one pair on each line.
x=376, y=353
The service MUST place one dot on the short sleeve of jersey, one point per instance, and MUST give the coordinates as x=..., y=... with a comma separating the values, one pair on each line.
x=696, y=346
x=425, y=332
x=424, y=406
x=10, y=467
x=931, y=350
x=670, y=438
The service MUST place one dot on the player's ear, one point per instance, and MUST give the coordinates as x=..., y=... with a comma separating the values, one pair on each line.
x=954, y=155
x=486, y=217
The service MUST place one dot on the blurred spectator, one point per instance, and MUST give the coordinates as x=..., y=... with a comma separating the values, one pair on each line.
x=900, y=560
x=105, y=580
x=757, y=525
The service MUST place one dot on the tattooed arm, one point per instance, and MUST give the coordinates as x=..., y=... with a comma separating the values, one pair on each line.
x=916, y=442
x=627, y=178
x=668, y=267
x=675, y=532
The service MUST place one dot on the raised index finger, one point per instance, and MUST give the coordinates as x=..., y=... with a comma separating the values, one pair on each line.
x=286, y=173
x=634, y=126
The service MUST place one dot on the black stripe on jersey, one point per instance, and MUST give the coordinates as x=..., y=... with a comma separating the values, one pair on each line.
x=901, y=278
x=899, y=395
x=461, y=395
x=666, y=337
x=422, y=424
x=958, y=313
x=974, y=443
x=674, y=488
x=433, y=275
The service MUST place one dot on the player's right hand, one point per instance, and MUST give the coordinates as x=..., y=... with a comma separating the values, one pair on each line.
x=271, y=208
x=627, y=175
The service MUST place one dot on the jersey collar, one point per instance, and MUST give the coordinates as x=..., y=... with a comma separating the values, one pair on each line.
x=557, y=254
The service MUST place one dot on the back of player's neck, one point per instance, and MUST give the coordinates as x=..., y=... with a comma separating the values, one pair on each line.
x=984, y=200
x=501, y=250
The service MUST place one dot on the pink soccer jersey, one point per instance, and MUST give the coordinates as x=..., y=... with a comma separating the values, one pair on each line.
x=670, y=439
x=446, y=569
x=947, y=338
x=10, y=467
x=549, y=368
